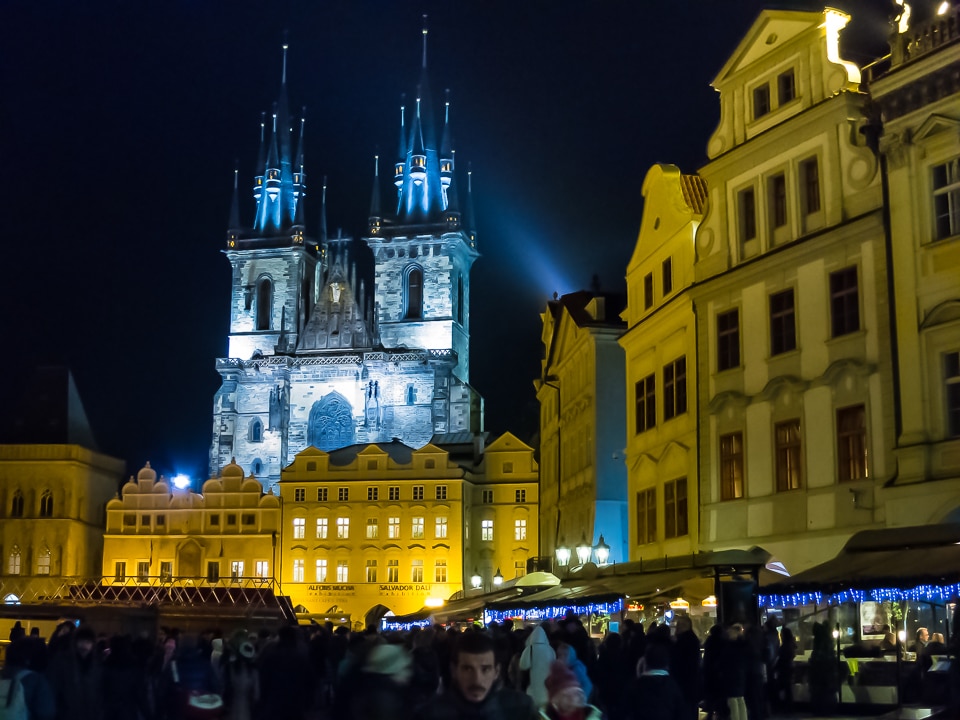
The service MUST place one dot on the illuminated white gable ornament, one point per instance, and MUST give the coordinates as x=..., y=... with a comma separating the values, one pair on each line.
x=835, y=21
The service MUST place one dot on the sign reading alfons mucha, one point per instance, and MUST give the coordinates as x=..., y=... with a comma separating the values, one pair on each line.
x=358, y=598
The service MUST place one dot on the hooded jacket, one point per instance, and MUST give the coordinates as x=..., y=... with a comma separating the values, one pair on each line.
x=536, y=657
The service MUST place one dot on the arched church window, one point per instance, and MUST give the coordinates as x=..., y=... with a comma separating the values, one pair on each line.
x=264, y=302
x=413, y=293
x=46, y=504
x=257, y=467
x=16, y=504
x=43, y=562
x=331, y=423
x=255, y=432
x=13, y=563
x=411, y=395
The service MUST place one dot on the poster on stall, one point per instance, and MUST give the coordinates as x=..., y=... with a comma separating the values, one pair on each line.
x=873, y=621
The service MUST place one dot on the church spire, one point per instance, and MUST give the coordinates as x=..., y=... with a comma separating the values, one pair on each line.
x=300, y=177
x=469, y=220
x=375, y=216
x=234, y=221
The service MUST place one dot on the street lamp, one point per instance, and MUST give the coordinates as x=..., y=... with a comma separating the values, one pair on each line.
x=583, y=551
x=563, y=555
x=475, y=579
x=603, y=551
x=498, y=579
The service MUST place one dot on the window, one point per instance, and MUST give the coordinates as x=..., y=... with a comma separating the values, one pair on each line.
x=519, y=568
x=393, y=528
x=393, y=492
x=119, y=568
x=844, y=302
x=43, y=563
x=373, y=528
x=667, y=268
x=646, y=516
x=946, y=199
x=373, y=493
x=300, y=495
x=322, y=528
x=418, y=492
x=262, y=569
x=429, y=464
x=951, y=376
x=852, y=443
x=161, y=520
x=728, y=340
x=810, y=185
x=416, y=571
x=778, y=200
x=321, y=570
x=143, y=571
x=787, y=437
x=343, y=528
x=761, y=101
x=646, y=401
x=786, y=87
x=231, y=518
x=783, y=328
x=298, y=570
x=46, y=504
x=215, y=519
x=675, y=508
x=213, y=571
x=343, y=494
x=129, y=519
x=16, y=505
x=507, y=468
x=747, y=205
x=440, y=528
x=299, y=527
x=245, y=519
x=413, y=294
x=166, y=570
x=393, y=571
x=486, y=530
x=371, y=571
x=486, y=497
x=520, y=530
x=13, y=562
x=264, y=300
x=321, y=494
x=520, y=496
x=145, y=521
x=440, y=571
x=255, y=431
x=648, y=291
x=312, y=466
x=731, y=466
x=675, y=388
x=236, y=570
x=441, y=492
x=417, y=528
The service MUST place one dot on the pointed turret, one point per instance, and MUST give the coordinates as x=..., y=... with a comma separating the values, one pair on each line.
x=469, y=220
x=261, y=164
x=300, y=178
x=401, y=153
x=322, y=234
x=233, y=223
x=373, y=222
x=446, y=153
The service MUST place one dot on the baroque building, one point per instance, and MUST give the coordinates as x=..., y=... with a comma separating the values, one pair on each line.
x=314, y=359
x=582, y=425
x=661, y=368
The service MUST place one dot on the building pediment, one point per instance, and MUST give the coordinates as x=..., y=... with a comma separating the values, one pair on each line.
x=770, y=32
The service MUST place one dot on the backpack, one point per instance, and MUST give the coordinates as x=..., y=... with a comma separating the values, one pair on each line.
x=13, y=699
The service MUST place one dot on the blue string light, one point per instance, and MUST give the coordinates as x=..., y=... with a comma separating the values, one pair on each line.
x=551, y=612
x=926, y=593
x=389, y=626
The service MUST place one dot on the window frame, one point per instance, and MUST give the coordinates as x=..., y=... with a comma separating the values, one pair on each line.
x=732, y=460
x=676, y=521
x=786, y=91
x=675, y=388
x=728, y=340
x=761, y=105
x=486, y=530
x=783, y=322
x=666, y=270
x=645, y=400
x=646, y=514
x=844, y=302
x=788, y=455
x=950, y=190
x=852, y=452
x=951, y=394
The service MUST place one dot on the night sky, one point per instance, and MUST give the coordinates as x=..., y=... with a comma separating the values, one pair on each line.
x=121, y=123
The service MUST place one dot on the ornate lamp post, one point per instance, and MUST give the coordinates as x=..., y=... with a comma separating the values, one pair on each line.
x=603, y=551
x=476, y=580
x=498, y=579
x=583, y=551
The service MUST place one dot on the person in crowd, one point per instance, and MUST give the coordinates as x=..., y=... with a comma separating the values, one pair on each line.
x=382, y=689
x=654, y=695
x=784, y=670
x=771, y=649
x=685, y=665
x=241, y=680
x=713, y=692
x=734, y=662
x=425, y=667
x=755, y=691
x=285, y=683
x=17, y=632
x=475, y=692
x=26, y=694
x=76, y=677
x=922, y=638
x=566, y=699
x=125, y=693
x=613, y=674
x=568, y=656
x=535, y=659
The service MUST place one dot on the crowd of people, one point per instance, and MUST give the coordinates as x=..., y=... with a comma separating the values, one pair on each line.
x=553, y=670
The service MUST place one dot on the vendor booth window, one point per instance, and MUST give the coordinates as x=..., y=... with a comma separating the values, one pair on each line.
x=787, y=437
x=731, y=466
x=851, y=443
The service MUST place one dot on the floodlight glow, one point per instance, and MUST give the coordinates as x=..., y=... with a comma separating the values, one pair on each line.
x=835, y=21
x=432, y=602
x=944, y=6
x=181, y=481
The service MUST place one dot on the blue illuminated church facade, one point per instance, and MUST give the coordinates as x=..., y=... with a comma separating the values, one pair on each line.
x=314, y=359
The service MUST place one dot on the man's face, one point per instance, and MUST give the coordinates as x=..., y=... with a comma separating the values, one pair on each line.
x=924, y=635
x=475, y=675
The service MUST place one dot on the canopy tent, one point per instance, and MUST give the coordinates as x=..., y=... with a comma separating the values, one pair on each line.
x=889, y=564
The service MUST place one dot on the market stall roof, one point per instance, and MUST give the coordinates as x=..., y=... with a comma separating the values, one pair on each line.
x=889, y=558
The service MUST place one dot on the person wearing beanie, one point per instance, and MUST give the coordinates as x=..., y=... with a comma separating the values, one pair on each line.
x=565, y=697
x=654, y=695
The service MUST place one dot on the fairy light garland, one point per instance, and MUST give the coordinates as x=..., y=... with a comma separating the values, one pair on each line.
x=927, y=593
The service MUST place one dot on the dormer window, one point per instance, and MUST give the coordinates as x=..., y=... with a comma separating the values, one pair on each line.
x=786, y=87
x=413, y=294
x=761, y=101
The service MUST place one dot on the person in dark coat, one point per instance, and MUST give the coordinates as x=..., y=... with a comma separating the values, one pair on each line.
x=755, y=691
x=734, y=660
x=784, y=669
x=37, y=694
x=476, y=691
x=685, y=665
x=285, y=689
x=654, y=695
x=76, y=677
x=713, y=693
x=124, y=683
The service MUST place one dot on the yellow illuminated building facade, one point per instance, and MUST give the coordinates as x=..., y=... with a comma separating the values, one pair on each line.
x=226, y=535
x=661, y=369
x=383, y=527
